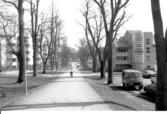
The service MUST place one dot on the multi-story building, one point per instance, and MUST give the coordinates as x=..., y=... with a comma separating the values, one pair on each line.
x=135, y=50
x=150, y=52
x=9, y=60
x=2, y=53
x=122, y=55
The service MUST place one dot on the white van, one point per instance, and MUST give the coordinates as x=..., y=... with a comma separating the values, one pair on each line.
x=132, y=78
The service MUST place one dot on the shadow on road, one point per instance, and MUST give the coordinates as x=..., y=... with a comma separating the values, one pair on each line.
x=130, y=90
x=148, y=97
x=71, y=104
x=121, y=88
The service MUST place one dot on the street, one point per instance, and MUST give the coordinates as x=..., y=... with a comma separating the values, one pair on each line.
x=82, y=92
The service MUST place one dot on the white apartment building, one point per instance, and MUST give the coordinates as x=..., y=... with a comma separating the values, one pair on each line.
x=2, y=53
x=150, y=52
x=8, y=61
x=135, y=50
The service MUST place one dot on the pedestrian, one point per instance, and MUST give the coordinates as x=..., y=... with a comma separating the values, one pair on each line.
x=71, y=72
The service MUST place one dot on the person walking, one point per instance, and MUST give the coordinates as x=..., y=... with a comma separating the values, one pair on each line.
x=71, y=72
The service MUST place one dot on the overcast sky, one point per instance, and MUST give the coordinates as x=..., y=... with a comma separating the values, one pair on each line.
x=139, y=10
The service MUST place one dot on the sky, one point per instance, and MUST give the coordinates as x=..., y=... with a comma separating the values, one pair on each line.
x=138, y=10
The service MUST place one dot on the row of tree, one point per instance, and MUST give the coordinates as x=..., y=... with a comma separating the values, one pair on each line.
x=45, y=29
x=103, y=19
x=104, y=23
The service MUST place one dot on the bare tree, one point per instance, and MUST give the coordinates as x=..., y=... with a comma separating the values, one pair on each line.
x=34, y=7
x=83, y=52
x=45, y=42
x=161, y=46
x=55, y=28
x=95, y=30
x=21, y=53
x=65, y=55
x=50, y=36
x=112, y=24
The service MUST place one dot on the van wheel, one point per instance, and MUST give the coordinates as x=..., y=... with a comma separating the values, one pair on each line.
x=137, y=87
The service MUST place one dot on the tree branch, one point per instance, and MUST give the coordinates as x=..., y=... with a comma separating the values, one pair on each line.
x=12, y=3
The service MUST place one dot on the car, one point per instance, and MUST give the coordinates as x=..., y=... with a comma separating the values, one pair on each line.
x=133, y=78
x=149, y=74
x=151, y=88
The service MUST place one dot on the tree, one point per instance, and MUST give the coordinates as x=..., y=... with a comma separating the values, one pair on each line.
x=34, y=31
x=50, y=36
x=95, y=30
x=161, y=53
x=21, y=53
x=83, y=52
x=45, y=42
x=55, y=31
x=65, y=55
x=112, y=24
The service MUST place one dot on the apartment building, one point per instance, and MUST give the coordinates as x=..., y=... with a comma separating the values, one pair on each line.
x=150, y=52
x=122, y=55
x=2, y=53
x=8, y=61
x=136, y=49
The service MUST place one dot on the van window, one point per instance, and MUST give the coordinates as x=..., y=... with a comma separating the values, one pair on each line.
x=135, y=75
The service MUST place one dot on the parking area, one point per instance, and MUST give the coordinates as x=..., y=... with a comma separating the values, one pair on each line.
x=117, y=79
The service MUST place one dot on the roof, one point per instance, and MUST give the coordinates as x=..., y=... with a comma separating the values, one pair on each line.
x=122, y=43
x=132, y=31
x=132, y=70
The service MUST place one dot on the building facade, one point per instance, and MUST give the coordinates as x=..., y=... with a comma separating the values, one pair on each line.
x=3, y=56
x=8, y=61
x=136, y=50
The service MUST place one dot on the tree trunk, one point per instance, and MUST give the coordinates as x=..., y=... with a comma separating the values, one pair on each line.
x=110, y=80
x=161, y=87
x=94, y=66
x=21, y=56
x=21, y=77
x=52, y=63
x=44, y=67
x=102, y=69
x=35, y=59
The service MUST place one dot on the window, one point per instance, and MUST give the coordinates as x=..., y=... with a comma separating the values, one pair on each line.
x=147, y=50
x=148, y=58
x=125, y=58
x=122, y=50
x=139, y=45
x=139, y=50
x=14, y=59
x=27, y=59
x=27, y=52
x=148, y=67
x=147, y=41
x=122, y=58
x=138, y=37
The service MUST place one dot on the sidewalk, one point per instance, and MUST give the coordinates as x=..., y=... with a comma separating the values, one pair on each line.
x=80, y=94
x=62, y=94
x=11, y=91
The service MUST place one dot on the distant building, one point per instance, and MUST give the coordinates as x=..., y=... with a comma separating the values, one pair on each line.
x=8, y=61
x=135, y=50
x=150, y=51
x=3, y=57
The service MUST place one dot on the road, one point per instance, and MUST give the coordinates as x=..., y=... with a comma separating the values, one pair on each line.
x=82, y=92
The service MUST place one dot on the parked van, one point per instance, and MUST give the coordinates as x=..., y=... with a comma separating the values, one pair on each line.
x=132, y=78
